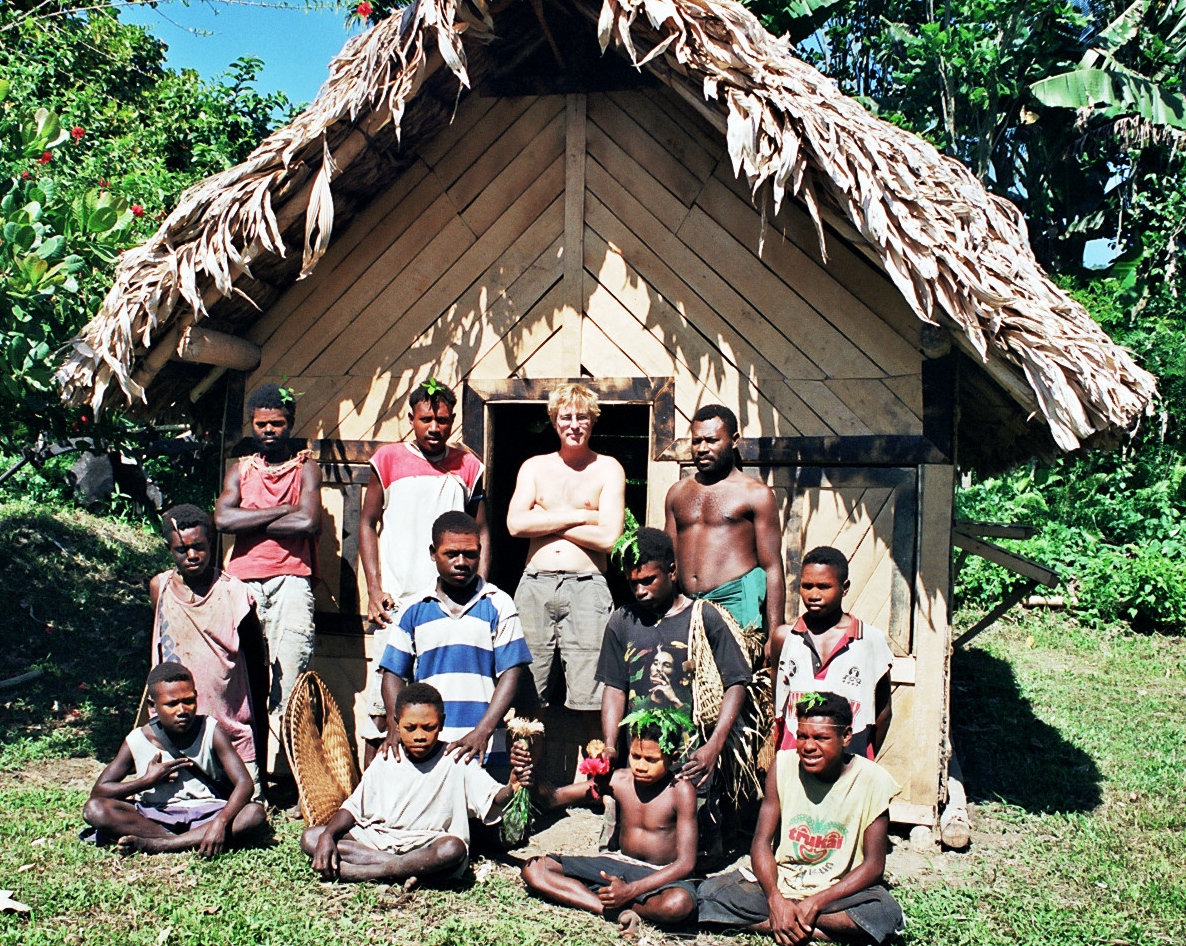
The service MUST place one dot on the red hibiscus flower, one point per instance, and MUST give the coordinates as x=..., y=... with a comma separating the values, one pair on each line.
x=137, y=210
x=45, y=158
x=77, y=132
x=364, y=9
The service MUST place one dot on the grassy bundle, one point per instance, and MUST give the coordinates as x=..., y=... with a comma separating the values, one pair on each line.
x=516, y=817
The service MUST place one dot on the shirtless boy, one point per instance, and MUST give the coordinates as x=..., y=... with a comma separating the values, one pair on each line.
x=657, y=833
x=571, y=505
x=728, y=543
x=189, y=788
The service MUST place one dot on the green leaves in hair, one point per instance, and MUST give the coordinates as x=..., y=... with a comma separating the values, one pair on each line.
x=673, y=725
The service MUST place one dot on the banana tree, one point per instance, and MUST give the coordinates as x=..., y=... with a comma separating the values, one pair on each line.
x=1107, y=83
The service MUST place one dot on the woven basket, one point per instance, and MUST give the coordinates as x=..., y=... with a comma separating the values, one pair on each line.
x=318, y=749
x=739, y=767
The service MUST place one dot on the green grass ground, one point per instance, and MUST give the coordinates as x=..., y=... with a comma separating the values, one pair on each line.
x=1071, y=741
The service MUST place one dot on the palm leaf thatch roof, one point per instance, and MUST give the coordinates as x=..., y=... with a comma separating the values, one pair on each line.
x=958, y=255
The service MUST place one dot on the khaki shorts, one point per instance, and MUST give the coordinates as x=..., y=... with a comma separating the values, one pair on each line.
x=565, y=612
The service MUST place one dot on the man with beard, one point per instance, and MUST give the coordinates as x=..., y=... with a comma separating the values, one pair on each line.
x=725, y=527
x=271, y=503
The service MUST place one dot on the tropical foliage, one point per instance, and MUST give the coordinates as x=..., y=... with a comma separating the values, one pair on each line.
x=1074, y=111
x=97, y=140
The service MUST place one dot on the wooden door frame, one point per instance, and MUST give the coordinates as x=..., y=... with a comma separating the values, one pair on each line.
x=659, y=393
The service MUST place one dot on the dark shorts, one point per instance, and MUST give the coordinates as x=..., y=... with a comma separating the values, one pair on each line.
x=182, y=818
x=731, y=900
x=588, y=871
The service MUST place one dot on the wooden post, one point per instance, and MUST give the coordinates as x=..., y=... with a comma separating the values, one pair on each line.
x=932, y=635
x=574, y=236
x=206, y=347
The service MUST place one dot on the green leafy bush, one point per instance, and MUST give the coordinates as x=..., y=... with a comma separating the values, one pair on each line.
x=97, y=140
x=1111, y=524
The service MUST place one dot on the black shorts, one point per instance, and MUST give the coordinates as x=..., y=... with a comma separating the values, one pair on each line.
x=732, y=900
x=588, y=871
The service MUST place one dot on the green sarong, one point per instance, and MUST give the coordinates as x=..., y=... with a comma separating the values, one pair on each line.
x=744, y=598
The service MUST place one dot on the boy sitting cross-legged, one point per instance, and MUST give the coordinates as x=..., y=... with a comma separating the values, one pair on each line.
x=820, y=843
x=657, y=834
x=189, y=789
x=409, y=816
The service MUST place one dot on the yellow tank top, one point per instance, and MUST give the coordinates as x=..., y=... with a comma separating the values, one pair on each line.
x=821, y=837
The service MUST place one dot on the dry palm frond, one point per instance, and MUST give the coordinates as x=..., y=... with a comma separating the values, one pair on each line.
x=958, y=255
x=740, y=757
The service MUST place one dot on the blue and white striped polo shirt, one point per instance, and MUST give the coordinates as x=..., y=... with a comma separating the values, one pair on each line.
x=462, y=655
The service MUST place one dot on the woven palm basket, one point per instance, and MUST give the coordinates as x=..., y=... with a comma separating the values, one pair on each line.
x=740, y=766
x=318, y=749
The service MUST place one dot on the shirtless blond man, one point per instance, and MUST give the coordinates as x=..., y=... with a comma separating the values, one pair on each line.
x=571, y=505
x=728, y=543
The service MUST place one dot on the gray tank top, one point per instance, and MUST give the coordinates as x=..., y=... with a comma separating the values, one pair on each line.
x=187, y=787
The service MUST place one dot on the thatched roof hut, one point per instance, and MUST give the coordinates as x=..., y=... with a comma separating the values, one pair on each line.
x=959, y=256
x=658, y=197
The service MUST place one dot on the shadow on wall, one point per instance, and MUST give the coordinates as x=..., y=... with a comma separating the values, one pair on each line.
x=1007, y=753
x=77, y=609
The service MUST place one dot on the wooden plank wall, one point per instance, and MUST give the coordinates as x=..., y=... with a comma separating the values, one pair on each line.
x=605, y=235
x=473, y=263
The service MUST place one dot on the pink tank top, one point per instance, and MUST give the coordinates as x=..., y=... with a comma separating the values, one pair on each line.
x=257, y=556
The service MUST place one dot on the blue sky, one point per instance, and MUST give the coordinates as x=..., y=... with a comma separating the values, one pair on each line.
x=208, y=35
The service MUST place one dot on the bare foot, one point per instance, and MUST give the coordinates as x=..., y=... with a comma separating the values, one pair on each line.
x=628, y=922
x=131, y=844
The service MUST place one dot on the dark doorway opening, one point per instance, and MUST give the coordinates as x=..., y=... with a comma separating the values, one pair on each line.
x=519, y=431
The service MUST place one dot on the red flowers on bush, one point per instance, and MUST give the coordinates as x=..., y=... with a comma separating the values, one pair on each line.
x=364, y=9
x=137, y=210
x=25, y=175
x=45, y=158
x=77, y=132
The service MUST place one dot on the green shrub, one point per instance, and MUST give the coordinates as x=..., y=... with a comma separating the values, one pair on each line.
x=1111, y=524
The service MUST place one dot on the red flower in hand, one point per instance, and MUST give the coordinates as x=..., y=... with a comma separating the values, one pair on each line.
x=595, y=767
x=77, y=132
x=364, y=9
x=137, y=210
x=45, y=158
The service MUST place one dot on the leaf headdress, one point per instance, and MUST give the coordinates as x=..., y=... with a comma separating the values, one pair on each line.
x=674, y=726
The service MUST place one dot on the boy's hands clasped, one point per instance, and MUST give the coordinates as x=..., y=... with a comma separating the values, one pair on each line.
x=792, y=922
